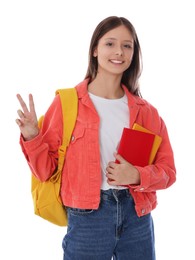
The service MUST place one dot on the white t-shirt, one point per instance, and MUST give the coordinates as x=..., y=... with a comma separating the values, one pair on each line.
x=114, y=116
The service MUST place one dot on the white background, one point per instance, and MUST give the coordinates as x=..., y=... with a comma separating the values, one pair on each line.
x=44, y=46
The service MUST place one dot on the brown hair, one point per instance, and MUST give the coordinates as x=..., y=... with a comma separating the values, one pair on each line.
x=131, y=75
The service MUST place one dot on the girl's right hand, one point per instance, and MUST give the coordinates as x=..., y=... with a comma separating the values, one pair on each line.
x=27, y=120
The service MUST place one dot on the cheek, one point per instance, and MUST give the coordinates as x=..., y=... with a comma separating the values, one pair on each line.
x=129, y=57
x=101, y=61
x=102, y=56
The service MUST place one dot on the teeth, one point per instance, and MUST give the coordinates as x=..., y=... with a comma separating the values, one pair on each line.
x=116, y=61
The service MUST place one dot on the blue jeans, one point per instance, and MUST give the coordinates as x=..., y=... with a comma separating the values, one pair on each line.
x=114, y=231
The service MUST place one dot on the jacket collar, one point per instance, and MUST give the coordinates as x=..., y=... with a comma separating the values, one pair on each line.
x=132, y=99
x=134, y=102
x=82, y=88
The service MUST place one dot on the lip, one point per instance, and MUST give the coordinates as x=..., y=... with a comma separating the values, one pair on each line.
x=116, y=61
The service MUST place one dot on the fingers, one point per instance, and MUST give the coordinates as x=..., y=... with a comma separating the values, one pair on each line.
x=18, y=122
x=112, y=164
x=20, y=113
x=31, y=104
x=110, y=169
x=22, y=103
x=112, y=182
x=110, y=175
x=25, y=112
x=119, y=158
x=112, y=179
x=24, y=106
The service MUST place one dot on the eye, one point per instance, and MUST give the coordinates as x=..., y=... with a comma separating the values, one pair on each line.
x=109, y=43
x=128, y=46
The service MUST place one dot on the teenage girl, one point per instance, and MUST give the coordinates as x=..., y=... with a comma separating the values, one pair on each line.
x=109, y=204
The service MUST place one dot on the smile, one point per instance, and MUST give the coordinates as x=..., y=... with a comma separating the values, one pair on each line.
x=116, y=61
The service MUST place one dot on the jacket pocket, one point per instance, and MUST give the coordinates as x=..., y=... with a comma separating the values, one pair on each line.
x=77, y=134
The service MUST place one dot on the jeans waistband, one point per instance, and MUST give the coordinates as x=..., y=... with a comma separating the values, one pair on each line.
x=115, y=194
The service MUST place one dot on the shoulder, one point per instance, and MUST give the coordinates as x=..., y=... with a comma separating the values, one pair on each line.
x=53, y=114
x=55, y=105
x=145, y=113
x=145, y=104
x=140, y=102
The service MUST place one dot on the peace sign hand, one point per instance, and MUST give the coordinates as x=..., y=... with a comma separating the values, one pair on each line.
x=27, y=120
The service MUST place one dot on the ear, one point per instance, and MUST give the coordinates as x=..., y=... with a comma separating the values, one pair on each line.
x=95, y=53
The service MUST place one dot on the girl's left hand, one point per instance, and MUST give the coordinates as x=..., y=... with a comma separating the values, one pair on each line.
x=122, y=173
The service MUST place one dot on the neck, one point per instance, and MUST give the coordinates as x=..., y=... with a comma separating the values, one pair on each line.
x=106, y=87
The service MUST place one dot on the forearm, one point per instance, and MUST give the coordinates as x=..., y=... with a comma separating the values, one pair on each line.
x=41, y=160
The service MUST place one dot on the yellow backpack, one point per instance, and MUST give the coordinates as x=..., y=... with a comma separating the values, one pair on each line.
x=46, y=195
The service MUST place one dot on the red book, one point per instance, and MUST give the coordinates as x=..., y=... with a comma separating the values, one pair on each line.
x=156, y=143
x=135, y=146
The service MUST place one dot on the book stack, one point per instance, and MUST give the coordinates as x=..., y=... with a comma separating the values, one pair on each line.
x=138, y=145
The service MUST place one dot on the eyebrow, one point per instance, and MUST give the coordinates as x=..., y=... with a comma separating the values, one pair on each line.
x=111, y=38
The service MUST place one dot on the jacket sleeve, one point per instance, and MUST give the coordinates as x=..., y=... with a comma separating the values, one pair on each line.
x=41, y=152
x=162, y=173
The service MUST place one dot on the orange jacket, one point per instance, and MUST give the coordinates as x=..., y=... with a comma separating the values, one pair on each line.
x=81, y=178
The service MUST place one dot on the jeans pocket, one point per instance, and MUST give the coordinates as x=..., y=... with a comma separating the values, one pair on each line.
x=80, y=212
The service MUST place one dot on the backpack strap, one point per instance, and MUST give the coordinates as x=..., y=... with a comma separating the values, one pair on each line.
x=69, y=103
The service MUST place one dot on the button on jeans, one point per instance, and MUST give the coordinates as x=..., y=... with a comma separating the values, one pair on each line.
x=114, y=231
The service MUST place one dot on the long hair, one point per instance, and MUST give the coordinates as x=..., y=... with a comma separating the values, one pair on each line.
x=131, y=75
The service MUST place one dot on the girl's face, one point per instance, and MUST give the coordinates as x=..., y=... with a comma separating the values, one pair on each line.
x=114, y=51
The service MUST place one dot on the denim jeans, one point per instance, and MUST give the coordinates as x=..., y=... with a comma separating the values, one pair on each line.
x=114, y=231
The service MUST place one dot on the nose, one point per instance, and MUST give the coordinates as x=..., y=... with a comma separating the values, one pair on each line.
x=119, y=51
